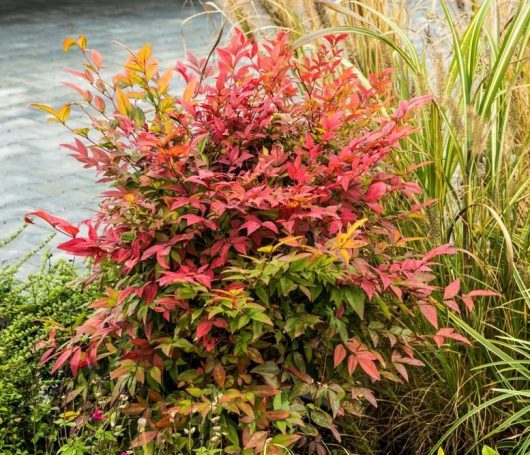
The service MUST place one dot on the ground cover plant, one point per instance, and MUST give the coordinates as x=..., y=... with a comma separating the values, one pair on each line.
x=256, y=277
x=469, y=152
x=52, y=298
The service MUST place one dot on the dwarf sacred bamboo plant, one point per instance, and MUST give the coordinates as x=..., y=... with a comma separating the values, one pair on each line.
x=256, y=280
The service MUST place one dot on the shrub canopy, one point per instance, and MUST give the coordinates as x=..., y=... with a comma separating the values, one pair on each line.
x=256, y=276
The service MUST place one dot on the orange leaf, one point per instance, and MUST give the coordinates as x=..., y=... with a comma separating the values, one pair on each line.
x=165, y=79
x=120, y=371
x=143, y=54
x=189, y=91
x=144, y=438
x=134, y=409
x=277, y=415
x=257, y=441
x=219, y=375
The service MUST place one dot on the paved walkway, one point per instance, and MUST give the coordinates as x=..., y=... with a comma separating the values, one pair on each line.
x=35, y=172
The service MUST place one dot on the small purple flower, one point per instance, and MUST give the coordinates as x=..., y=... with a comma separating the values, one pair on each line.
x=97, y=415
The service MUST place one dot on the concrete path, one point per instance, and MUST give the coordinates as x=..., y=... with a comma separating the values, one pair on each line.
x=35, y=172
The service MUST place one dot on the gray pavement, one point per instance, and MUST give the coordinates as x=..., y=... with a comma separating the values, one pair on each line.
x=35, y=172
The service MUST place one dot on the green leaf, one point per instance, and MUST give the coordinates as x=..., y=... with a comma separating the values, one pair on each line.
x=230, y=429
x=355, y=297
x=262, y=295
x=260, y=317
x=322, y=419
x=285, y=440
x=267, y=368
x=183, y=344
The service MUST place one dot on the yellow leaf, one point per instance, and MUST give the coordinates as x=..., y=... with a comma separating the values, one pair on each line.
x=81, y=41
x=189, y=91
x=48, y=109
x=64, y=113
x=122, y=102
x=356, y=226
x=140, y=375
x=352, y=243
x=68, y=43
x=156, y=374
x=441, y=451
x=69, y=415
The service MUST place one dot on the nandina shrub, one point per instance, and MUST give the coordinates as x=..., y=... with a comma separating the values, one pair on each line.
x=255, y=274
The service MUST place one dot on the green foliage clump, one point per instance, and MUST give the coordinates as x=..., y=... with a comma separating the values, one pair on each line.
x=29, y=395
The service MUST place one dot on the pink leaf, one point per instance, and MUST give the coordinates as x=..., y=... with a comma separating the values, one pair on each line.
x=451, y=304
x=402, y=370
x=369, y=367
x=339, y=355
x=468, y=302
x=429, y=312
x=452, y=290
x=352, y=363
x=483, y=293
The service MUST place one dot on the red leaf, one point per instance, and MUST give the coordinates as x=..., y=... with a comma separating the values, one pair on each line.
x=251, y=226
x=375, y=192
x=61, y=360
x=81, y=247
x=58, y=223
x=271, y=226
x=192, y=219
x=74, y=362
x=46, y=356
x=339, y=355
x=452, y=289
x=204, y=328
